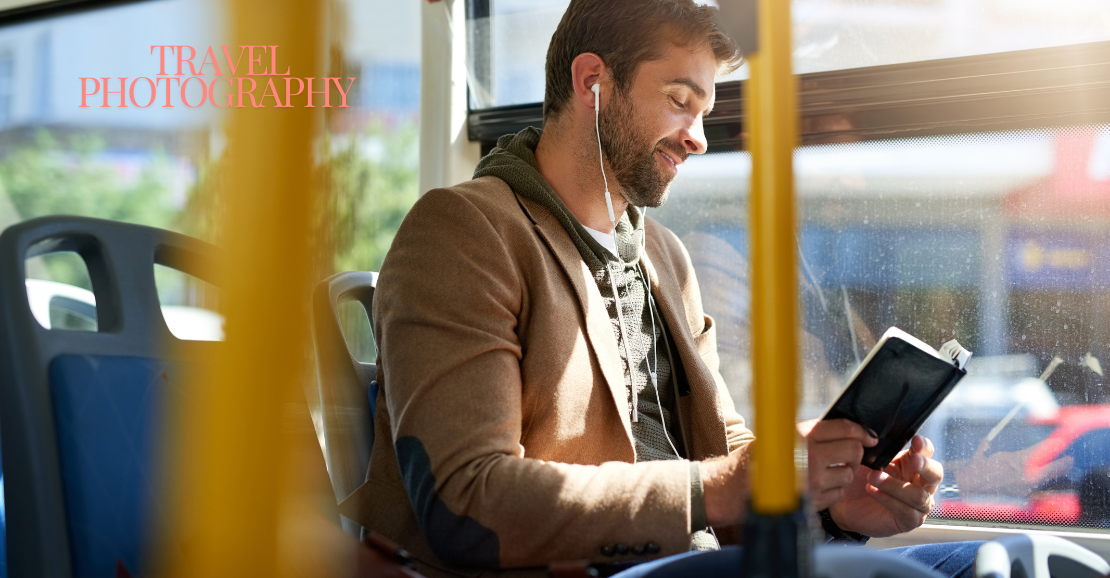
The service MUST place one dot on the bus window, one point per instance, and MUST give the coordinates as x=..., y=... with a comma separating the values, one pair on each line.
x=992, y=239
x=67, y=303
x=135, y=164
x=163, y=164
x=190, y=306
x=509, y=38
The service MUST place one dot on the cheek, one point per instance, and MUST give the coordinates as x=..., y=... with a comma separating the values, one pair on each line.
x=674, y=122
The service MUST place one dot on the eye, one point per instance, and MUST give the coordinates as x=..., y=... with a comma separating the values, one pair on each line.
x=677, y=103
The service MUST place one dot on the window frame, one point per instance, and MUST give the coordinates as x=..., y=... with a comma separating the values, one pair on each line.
x=940, y=531
x=53, y=8
x=1026, y=89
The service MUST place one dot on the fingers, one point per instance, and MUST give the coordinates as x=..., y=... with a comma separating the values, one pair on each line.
x=836, y=449
x=931, y=472
x=922, y=445
x=827, y=498
x=832, y=467
x=905, y=517
x=826, y=479
x=846, y=452
x=838, y=429
x=906, y=493
x=908, y=503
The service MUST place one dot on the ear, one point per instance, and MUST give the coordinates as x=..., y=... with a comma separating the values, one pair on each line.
x=586, y=70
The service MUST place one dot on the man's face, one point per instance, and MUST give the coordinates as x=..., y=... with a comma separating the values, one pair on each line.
x=650, y=130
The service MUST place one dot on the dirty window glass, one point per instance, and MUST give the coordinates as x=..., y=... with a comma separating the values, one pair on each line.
x=1000, y=241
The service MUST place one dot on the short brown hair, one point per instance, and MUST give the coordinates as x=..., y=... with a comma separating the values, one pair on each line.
x=625, y=33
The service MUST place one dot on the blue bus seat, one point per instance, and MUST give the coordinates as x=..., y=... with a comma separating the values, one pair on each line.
x=348, y=390
x=81, y=413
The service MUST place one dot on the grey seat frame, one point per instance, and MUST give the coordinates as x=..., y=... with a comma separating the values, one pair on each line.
x=344, y=382
x=120, y=258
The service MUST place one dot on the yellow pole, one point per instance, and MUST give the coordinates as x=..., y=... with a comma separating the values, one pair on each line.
x=231, y=478
x=772, y=130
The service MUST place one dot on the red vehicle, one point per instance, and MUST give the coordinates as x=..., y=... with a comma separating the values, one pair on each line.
x=1067, y=475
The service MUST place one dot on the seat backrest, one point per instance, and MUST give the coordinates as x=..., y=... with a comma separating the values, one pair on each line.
x=347, y=386
x=1038, y=556
x=81, y=412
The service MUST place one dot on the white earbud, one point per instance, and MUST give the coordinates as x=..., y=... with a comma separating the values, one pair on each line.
x=597, y=108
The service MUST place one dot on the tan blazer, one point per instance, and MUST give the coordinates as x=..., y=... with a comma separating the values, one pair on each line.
x=502, y=429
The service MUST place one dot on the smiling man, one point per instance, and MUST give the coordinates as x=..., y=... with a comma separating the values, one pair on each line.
x=549, y=381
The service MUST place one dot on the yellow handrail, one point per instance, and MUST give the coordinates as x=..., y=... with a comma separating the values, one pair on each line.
x=772, y=130
x=231, y=477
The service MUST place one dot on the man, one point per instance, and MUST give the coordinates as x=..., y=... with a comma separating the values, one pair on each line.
x=549, y=381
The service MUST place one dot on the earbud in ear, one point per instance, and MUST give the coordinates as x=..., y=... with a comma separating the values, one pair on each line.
x=600, y=156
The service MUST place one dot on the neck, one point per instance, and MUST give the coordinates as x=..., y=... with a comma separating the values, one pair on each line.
x=567, y=157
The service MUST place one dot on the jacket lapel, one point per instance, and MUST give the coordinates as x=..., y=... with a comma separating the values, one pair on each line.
x=706, y=440
x=668, y=297
x=599, y=333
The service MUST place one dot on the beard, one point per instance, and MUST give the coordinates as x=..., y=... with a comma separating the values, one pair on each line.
x=632, y=154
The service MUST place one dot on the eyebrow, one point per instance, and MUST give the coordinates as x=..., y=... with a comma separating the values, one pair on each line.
x=689, y=83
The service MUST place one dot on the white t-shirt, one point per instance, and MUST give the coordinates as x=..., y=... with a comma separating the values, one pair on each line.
x=607, y=240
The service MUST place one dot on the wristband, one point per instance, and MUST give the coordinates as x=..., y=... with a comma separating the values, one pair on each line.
x=836, y=534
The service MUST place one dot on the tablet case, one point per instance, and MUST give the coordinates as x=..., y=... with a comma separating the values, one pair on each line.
x=893, y=395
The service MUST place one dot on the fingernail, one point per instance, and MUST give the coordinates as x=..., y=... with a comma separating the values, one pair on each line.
x=918, y=462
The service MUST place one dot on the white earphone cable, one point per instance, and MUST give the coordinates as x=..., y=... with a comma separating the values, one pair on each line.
x=601, y=157
x=653, y=369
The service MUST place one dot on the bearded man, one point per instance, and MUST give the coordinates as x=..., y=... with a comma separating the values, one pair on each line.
x=549, y=380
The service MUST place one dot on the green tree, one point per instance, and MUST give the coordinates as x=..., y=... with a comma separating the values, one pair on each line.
x=44, y=177
x=373, y=182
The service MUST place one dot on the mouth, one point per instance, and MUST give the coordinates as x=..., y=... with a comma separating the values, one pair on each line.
x=671, y=160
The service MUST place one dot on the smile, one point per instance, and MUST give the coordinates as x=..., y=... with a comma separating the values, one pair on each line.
x=670, y=160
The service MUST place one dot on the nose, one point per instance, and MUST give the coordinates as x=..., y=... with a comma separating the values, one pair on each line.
x=694, y=139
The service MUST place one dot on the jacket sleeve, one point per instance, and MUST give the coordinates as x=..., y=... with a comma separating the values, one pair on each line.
x=446, y=314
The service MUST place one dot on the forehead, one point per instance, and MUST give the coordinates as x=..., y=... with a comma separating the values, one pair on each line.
x=696, y=64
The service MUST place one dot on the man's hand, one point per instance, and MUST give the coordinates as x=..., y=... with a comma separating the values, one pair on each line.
x=835, y=448
x=725, y=484
x=894, y=500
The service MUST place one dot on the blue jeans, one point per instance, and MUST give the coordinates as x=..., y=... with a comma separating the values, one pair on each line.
x=955, y=560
